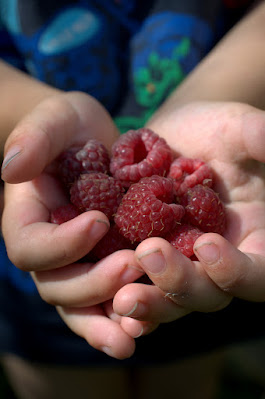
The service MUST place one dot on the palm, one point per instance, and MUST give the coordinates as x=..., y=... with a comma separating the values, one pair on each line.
x=230, y=137
x=214, y=132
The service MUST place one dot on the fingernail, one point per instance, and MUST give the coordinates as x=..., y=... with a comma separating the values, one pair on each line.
x=130, y=273
x=131, y=311
x=11, y=154
x=107, y=350
x=153, y=261
x=138, y=310
x=208, y=252
x=99, y=228
x=140, y=333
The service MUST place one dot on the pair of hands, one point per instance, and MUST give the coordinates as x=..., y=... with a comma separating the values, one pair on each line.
x=105, y=303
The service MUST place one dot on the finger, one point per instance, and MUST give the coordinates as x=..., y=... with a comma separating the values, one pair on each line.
x=184, y=281
x=54, y=125
x=35, y=244
x=243, y=119
x=147, y=303
x=99, y=331
x=254, y=143
x=134, y=328
x=226, y=125
x=235, y=272
x=109, y=311
x=85, y=284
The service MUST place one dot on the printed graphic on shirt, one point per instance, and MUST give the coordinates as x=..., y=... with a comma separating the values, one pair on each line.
x=73, y=45
x=163, y=52
x=153, y=83
x=70, y=29
x=9, y=15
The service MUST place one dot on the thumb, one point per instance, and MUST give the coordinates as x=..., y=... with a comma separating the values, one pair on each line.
x=253, y=134
x=54, y=125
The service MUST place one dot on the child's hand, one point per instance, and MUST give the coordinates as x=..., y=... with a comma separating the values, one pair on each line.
x=231, y=138
x=50, y=252
x=60, y=122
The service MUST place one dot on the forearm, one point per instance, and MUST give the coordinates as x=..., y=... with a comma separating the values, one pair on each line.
x=18, y=95
x=233, y=70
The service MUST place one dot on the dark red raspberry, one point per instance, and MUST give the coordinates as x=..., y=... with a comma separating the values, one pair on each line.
x=69, y=168
x=111, y=242
x=139, y=153
x=64, y=213
x=183, y=237
x=188, y=172
x=92, y=157
x=146, y=209
x=97, y=191
x=204, y=209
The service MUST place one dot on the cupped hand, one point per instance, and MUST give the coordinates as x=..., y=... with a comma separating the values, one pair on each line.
x=32, y=190
x=230, y=137
x=80, y=291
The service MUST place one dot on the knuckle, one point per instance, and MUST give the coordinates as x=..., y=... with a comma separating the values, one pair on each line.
x=220, y=305
x=18, y=258
x=232, y=282
x=47, y=296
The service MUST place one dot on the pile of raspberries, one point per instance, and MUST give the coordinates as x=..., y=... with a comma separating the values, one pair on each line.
x=144, y=191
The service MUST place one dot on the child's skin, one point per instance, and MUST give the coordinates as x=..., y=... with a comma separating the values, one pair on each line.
x=228, y=135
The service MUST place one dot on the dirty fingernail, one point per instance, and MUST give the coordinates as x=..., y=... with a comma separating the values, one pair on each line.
x=99, y=228
x=131, y=311
x=11, y=154
x=208, y=252
x=153, y=261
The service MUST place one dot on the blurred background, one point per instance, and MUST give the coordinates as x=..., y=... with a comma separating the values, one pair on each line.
x=243, y=375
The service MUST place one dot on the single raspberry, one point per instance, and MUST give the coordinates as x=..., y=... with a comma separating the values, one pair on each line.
x=92, y=157
x=64, y=213
x=97, y=191
x=146, y=209
x=188, y=172
x=204, y=209
x=183, y=237
x=111, y=242
x=139, y=153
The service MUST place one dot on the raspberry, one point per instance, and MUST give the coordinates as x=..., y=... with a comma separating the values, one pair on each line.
x=69, y=168
x=165, y=198
x=204, y=209
x=188, y=172
x=92, y=157
x=146, y=209
x=183, y=238
x=139, y=153
x=64, y=213
x=97, y=191
x=111, y=242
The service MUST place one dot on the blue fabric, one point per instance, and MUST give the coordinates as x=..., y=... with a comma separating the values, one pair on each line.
x=22, y=281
